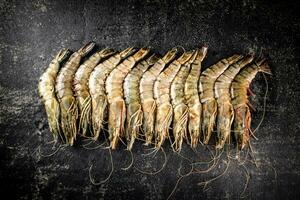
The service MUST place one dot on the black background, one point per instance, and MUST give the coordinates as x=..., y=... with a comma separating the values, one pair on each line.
x=31, y=33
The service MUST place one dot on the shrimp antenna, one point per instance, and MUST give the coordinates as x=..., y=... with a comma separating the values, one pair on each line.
x=92, y=180
x=158, y=171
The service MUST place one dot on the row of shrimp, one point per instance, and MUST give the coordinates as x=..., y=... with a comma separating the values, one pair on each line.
x=137, y=94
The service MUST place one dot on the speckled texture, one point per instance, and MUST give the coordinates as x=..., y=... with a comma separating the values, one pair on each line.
x=32, y=32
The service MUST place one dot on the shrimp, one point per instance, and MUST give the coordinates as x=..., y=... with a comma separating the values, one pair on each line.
x=162, y=88
x=239, y=89
x=206, y=88
x=132, y=98
x=115, y=96
x=97, y=83
x=65, y=94
x=81, y=88
x=180, y=108
x=147, y=94
x=192, y=97
x=222, y=94
x=46, y=89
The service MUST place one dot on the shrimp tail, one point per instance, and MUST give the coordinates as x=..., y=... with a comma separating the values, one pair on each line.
x=164, y=114
x=180, y=125
x=62, y=54
x=242, y=125
x=264, y=67
x=83, y=51
x=117, y=115
x=149, y=108
x=209, y=116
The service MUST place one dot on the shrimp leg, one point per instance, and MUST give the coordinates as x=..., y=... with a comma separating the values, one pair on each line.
x=192, y=97
x=114, y=89
x=222, y=93
x=132, y=99
x=46, y=88
x=97, y=82
x=240, y=102
x=207, y=98
x=180, y=108
x=147, y=93
x=65, y=94
x=162, y=88
x=81, y=87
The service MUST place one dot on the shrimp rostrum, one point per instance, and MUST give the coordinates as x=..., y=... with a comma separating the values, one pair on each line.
x=207, y=97
x=46, y=89
x=115, y=96
x=132, y=98
x=240, y=88
x=82, y=90
x=162, y=87
x=222, y=94
x=65, y=93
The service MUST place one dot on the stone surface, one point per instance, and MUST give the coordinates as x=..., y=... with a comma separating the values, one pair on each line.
x=31, y=32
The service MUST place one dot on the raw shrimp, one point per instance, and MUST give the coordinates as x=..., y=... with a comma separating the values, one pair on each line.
x=65, y=94
x=147, y=94
x=222, y=94
x=97, y=83
x=162, y=88
x=46, y=90
x=180, y=109
x=207, y=98
x=239, y=89
x=81, y=87
x=192, y=97
x=115, y=96
x=132, y=98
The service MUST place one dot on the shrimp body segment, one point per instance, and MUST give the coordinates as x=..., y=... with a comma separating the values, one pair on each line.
x=115, y=96
x=207, y=97
x=192, y=97
x=81, y=87
x=147, y=93
x=46, y=89
x=180, y=109
x=65, y=93
x=132, y=98
x=239, y=92
x=162, y=87
x=97, y=82
x=222, y=93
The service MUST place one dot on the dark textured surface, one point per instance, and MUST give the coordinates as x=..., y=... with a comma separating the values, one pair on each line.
x=32, y=32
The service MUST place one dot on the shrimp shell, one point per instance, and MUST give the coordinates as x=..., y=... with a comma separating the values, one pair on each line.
x=206, y=87
x=81, y=87
x=65, y=94
x=132, y=99
x=180, y=109
x=46, y=89
x=240, y=87
x=222, y=93
x=115, y=96
x=147, y=93
x=192, y=97
x=97, y=82
x=162, y=88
